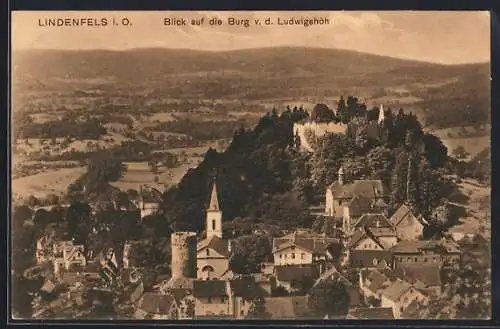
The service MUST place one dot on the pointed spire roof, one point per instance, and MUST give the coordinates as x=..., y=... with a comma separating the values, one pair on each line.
x=214, y=200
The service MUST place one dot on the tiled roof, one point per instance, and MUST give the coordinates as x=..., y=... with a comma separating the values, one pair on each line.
x=428, y=273
x=332, y=273
x=221, y=246
x=418, y=246
x=376, y=280
x=364, y=258
x=395, y=290
x=373, y=220
x=371, y=313
x=287, y=307
x=289, y=273
x=155, y=303
x=383, y=231
x=247, y=287
x=404, y=213
x=366, y=188
x=315, y=244
x=209, y=288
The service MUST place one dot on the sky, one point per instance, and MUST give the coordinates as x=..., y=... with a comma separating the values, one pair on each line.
x=446, y=37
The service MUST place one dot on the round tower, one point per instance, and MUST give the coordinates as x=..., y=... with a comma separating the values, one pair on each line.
x=183, y=254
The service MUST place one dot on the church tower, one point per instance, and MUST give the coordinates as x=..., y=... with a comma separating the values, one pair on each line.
x=341, y=175
x=381, y=116
x=214, y=215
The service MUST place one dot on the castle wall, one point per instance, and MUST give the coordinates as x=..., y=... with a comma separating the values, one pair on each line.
x=183, y=254
x=319, y=130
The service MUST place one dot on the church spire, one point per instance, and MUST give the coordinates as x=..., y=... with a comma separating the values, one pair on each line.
x=214, y=200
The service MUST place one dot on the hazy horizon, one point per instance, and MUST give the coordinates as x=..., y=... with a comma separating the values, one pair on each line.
x=453, y=37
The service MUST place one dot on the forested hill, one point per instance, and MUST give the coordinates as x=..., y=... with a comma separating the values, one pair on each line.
x=263, y=178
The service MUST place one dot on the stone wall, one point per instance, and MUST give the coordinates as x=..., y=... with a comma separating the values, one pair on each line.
x=184, y=254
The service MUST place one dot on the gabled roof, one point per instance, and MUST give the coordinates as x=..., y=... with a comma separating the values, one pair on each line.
x=289, y=273
x=404, y=212
x=155, y=303
x=371, y=313
x=395, y=290
x=373, y=220
x=221, y=246
x=367, y=188
x=428, y=273
x=209, y=288
x=332, y=273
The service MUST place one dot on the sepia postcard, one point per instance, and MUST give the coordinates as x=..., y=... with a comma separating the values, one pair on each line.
x=189, y=165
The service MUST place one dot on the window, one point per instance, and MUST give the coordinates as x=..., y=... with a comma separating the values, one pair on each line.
x=209, y=300
x=208, y=252
x=416, y=259
x=242, y=313
x=223, y=300
x=340, y=202
x=213, y=224
x=401, y=309
x=293, y=255
x=375, y=261
x=302, y=256
x=281, y=255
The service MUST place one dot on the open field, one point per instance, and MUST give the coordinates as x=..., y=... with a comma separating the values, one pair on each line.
x=474, y=141
x=478, y=218
x=40, y=185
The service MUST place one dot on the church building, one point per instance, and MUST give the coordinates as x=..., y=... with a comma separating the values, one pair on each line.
x=213, y=252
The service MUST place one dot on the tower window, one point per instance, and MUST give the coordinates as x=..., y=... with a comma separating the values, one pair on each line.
x=213, y=224
x=208, y=252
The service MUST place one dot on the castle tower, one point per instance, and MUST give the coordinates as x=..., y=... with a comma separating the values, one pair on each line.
x=183, y=255
x=214, y=215
x=341, y=175
x=381, y=116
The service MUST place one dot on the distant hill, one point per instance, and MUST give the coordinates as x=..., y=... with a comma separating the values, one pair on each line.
x=258, y=74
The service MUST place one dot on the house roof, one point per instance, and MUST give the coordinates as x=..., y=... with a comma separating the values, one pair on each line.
x=428, y=273
x=247, y=287
x=332, y=273
x=209, y=288
x=373, y=220
x=359, y=205
x=404, y=212
x=371, y=313
x=179, y=293
x=287, y=307
x=289, y=273
x=395, y=289
x=418, y=246
x=383, y=232
x=155, y=303
x=314, y=243
x=365, y=258
x=376, y=280
x=367, y=188
x=221, y=246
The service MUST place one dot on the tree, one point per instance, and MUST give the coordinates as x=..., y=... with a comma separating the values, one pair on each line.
x=460, y=153
x=52, y=199
x=258, y=310
x=322, y=113
x=374, y=302
x=248, y=252
x=330, y=297
x=33, y=201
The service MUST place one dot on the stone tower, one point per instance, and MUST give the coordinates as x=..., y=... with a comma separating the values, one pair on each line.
x=183, y=255
x=214, y=215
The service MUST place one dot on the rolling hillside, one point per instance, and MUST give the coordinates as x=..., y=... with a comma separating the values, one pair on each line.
x=257, y=74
